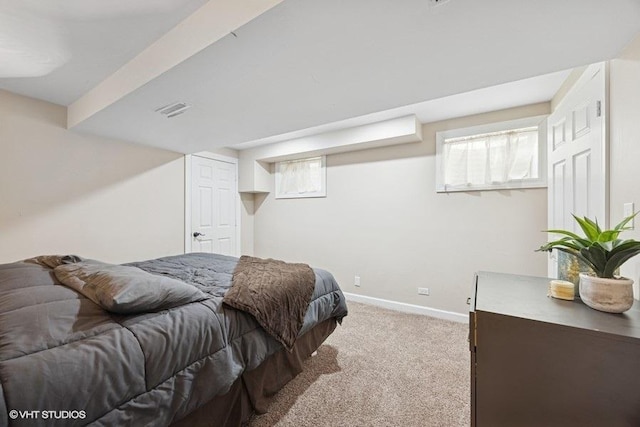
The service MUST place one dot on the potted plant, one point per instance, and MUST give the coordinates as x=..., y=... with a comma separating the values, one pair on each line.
x=604, y=252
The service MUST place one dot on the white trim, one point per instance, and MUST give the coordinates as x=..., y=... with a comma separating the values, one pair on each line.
x=188, y=158
x=187, y=203
x=408, y=308
x=606, y=127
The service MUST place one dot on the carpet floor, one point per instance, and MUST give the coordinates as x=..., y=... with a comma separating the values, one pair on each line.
x=380, y=368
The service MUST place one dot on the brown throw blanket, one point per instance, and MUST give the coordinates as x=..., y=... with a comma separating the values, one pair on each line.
x=276, y=293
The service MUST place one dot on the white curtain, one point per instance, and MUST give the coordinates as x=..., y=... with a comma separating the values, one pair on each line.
x=491, y=158
x=300, y=176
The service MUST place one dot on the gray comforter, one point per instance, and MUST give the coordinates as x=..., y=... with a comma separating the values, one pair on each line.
x=66, y=361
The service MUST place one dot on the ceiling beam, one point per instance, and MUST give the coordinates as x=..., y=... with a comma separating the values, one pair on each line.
x=213, y=21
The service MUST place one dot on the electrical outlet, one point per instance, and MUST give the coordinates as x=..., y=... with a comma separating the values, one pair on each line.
x=423, y=291
x=356, y=281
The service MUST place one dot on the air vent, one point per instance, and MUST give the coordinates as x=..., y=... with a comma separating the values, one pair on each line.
x=174, y=109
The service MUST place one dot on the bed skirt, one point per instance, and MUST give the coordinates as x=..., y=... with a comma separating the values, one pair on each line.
x=250, y=393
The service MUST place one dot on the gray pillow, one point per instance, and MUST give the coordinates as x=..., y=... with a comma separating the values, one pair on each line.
x=122, y=289
x=52, y=261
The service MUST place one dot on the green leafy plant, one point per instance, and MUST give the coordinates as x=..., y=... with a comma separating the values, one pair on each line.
x=601, y=249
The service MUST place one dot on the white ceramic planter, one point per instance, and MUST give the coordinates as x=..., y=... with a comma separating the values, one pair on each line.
x=610, y=295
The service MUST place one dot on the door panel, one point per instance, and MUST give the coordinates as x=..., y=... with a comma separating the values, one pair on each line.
x=557, y=192
x=558, y=134
x=581, y=125
x=581, y=182
x=206, y=207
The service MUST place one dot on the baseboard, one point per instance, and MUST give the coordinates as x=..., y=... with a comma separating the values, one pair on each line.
x=408, y=308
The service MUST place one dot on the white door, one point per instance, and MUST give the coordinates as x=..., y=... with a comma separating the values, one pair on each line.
x=577, y=153
x=214, y=195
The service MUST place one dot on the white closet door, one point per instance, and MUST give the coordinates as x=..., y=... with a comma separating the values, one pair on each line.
x=577, y=153
x=213, y=206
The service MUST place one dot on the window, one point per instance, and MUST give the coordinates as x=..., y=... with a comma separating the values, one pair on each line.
x=301, y=178
x=490, y=157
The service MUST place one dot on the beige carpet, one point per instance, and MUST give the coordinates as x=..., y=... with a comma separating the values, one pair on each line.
x=380, y=368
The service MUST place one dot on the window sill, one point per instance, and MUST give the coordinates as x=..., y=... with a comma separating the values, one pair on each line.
x=508, y=186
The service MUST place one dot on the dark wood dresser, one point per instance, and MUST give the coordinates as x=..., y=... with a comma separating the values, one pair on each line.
x=541, y=362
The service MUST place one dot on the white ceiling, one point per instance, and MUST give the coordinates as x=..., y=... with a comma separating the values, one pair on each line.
x=80, y=41
x=308, y=66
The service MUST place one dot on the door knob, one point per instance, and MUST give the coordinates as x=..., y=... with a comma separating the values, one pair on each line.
x=196, y=234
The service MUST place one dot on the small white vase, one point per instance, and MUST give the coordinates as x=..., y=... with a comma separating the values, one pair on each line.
x=610, y=295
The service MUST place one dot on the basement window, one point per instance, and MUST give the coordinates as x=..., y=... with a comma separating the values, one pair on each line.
x=505, y=155
x=301, y=178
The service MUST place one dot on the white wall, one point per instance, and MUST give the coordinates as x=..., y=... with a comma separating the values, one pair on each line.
x=624, y=98
x=247, y=206
x=62, y=192
x=383, y=220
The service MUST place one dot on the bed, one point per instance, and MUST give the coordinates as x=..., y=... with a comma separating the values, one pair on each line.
x=66, y=360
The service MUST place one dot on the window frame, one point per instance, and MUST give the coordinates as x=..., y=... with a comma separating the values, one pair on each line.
x=323, y=179
x=540, y=182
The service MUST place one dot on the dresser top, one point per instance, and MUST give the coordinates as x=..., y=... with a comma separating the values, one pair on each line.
x=526, y=297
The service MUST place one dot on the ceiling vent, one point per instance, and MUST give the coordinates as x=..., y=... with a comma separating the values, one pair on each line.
x=174, y=109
